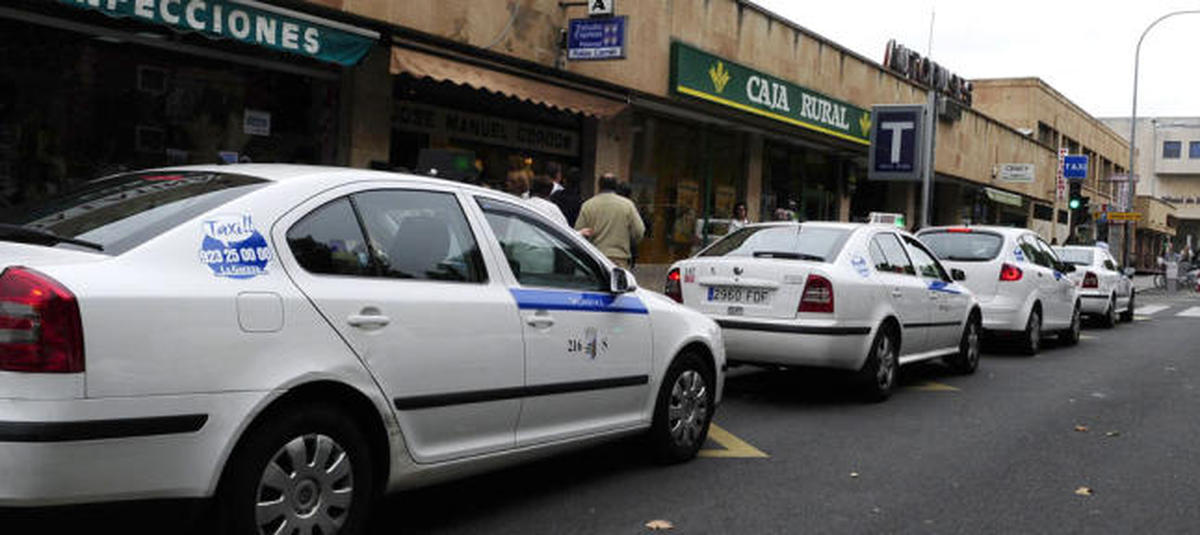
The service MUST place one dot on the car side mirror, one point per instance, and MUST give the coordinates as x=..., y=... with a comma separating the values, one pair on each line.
x=958, y=274
x=1129, y=272
x=621, y=281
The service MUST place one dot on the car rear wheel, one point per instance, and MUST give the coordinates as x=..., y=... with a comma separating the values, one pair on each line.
x=1109, y=319
x=683, y=410
x=879, y=374
x=966, y=361
x=306, y=471
x=1070, y=336
x=1127, y=315
x=1031, y=339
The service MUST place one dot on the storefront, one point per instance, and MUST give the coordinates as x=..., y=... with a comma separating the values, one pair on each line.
x=89, y=88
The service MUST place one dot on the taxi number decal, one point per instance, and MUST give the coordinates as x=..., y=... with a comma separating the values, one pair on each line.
x=233, y=248
x=590, y=344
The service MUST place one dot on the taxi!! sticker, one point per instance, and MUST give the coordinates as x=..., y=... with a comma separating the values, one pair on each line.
x=233, y=248
x=860, y=265
x=1020, y=256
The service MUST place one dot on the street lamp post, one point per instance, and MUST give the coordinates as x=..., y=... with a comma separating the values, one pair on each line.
x=1137, y=55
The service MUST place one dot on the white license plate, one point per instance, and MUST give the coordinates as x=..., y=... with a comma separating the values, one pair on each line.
x=733, y=294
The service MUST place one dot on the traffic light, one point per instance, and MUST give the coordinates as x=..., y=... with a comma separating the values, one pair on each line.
x=1076, y=198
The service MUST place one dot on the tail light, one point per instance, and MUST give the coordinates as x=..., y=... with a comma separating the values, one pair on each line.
x=674, y=290
x=1009, y=273
x=1090, y=280
x=40, y=330
x=818, y=295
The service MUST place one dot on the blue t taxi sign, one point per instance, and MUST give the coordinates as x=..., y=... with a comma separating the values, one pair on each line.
x=896, y=139
x=596, y=38
x=1075, y=166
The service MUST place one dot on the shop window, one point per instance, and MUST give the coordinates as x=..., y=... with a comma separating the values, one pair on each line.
x=1043, y=212
x=1171, y=149
x=1194, y=149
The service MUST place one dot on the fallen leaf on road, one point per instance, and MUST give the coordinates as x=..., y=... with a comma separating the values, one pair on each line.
x=1083, y=491
x=853, y=474
x=1081, y=428
x=1113, y=434
x=656, y=525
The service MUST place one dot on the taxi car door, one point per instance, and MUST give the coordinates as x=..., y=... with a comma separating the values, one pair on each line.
x=950, y=304
x=908, y=294
x=1042, y=266
x=399, y=274
x=587, y=351
x=1063, y=287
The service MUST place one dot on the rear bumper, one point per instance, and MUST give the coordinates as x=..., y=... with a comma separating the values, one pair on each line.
x=99, y=450
x=1093, y=302
x=795, y=344
x=1004, y=314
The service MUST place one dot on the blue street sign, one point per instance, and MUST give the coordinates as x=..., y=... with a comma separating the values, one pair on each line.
x=596, y=38
x=896, y=143
x=1075, y=167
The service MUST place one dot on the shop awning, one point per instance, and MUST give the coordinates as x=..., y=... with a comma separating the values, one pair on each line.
x=442, y=69
x=1003, y=197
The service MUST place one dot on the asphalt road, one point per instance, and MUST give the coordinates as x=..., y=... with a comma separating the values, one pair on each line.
x=994, y=452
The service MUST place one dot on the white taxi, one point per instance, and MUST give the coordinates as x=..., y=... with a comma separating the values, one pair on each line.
x=1021, y=283
x=294, y=339
x=1104, y=291
x=865, y=298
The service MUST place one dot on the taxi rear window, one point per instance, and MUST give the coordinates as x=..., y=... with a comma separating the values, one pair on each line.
x=799, y=242
x=118, y=213
x=963, y=246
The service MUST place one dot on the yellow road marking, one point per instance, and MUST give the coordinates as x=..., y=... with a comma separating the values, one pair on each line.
x=1141, y=318
x=734, y=447
x=1086, y=337
x=931, y=386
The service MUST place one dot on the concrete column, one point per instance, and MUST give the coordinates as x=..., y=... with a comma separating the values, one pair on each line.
x=614, y=148
x=367, y=125
x=754, y=175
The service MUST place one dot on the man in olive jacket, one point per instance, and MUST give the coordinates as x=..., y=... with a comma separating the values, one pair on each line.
x=611, y=222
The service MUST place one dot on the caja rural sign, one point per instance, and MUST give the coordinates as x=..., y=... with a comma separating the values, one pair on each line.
x=249, y=22
x=702, y=75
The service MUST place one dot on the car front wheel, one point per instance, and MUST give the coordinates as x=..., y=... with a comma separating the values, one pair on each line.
x=879, y=374
x=308, y=470
x=1070, y=336
x=966, y=361
x=683, y=410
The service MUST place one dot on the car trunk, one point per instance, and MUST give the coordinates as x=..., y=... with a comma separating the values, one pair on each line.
x=741, y=286
x=982, y=277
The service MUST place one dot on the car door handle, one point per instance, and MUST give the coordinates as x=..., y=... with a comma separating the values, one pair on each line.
x=368, y=321
x=897, y=293
x=540, y=322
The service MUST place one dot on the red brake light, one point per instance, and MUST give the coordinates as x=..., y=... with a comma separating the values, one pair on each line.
x=959, y=230
x=673, y=289
x=818, y=295
x=1090, y=280
x=1009, y=272
x=40, y=330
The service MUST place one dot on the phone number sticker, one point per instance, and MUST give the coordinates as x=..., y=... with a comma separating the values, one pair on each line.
x=233, y=248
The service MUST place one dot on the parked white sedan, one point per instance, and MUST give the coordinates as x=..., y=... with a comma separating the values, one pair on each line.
x=294, y=339
x=1021, y=284
x=1104, y=289
x=866, y=298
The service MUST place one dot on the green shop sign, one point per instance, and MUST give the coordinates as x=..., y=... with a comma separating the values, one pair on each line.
x=702, y=75
x=249, y=22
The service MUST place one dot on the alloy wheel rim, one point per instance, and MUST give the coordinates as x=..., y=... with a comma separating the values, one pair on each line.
x=306, y=487
x=687, y=412
x=887, y=364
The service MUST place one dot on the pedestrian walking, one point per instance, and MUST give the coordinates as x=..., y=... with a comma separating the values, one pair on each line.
x=516, y=182
x=567, y=198
x=539, y=199
x=611, y=222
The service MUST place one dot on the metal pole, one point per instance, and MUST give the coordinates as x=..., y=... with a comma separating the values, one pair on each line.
x=1137, y=56
x=927, y=176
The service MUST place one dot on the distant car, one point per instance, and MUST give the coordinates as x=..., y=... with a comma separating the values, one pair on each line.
x=1021, y=284
x=1104, y=289
x=295, y=339
x=858, y=297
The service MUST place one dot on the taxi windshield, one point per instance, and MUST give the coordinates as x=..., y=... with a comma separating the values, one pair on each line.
x=799, y=242
x=118, y=213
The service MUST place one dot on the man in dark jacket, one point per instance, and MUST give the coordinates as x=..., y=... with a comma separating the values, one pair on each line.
x=566, y=192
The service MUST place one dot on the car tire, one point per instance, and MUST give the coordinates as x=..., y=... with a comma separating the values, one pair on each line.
x=1109, y=319
x=966, y=361
x=683, y=410
x=332, y=489
x=1031, y=341
x=1127, y=315
x=1070, y=336
x=881, y=371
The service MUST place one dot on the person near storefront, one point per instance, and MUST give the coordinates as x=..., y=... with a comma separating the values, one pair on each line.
x=566, y=196
x=739, y=217
x=611, y=222
x=539, y=198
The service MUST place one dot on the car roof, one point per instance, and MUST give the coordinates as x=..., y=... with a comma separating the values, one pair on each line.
x=279, y=172
x=822, y=224
x=1006, y=231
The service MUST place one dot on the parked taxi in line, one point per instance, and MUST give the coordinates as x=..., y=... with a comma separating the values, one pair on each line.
x=860, y=297
x=1105, y=292
x=1022, y=285
x=294, y=339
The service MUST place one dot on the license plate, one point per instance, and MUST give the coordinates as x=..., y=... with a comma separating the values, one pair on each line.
x=733, y=294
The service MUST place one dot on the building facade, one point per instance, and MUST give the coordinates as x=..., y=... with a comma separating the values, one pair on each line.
x=708, y=105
